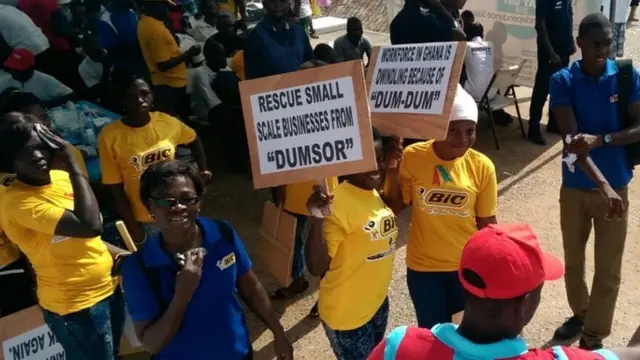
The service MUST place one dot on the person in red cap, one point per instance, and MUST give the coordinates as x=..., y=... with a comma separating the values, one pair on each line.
x=20, y=73
x=502, y=271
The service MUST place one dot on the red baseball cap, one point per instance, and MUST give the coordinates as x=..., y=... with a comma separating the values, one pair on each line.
x=509, y=260
x=20, y=59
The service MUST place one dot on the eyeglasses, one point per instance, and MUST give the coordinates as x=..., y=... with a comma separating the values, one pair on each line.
x=171, y=202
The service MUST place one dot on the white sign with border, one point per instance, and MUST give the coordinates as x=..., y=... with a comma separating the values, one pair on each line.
x=37, y=344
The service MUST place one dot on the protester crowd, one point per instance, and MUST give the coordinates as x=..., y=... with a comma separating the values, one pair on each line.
x=170, y=70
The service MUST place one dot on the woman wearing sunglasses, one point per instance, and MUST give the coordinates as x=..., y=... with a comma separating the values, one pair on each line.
x=182, y=286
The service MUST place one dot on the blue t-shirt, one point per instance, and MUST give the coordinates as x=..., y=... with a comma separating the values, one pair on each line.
x=595, y=105
x=268, y=51
x=214, y=323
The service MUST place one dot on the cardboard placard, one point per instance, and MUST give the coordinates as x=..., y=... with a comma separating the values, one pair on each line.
x=25, y=336
x=276, y=242
x=308, y=124
x=411, y=88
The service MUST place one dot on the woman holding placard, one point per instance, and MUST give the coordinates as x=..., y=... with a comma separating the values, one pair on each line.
x=452, y=190
x=353, y=249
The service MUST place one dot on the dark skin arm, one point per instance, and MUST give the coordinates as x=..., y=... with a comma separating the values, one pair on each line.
x=296, y=8
x=626, y=136
x=199, y=155
x=440, y=10
x=84, y=221
x=123, y=208
x=393, y=196
x=568, y=126
x=175, y=61
x=315, y=249
x=481, y=223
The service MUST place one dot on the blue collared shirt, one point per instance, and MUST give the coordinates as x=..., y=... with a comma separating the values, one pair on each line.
x=595, y=105
x=214, y=325
x=269, y=51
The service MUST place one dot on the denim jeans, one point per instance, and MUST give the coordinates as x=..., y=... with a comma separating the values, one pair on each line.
x=297, y=268
x=93, y=333
x=436, y=296
x=358, y=343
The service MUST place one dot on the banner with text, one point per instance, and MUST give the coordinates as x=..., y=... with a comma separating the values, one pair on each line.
x=510, y=26
x=308, y=125
x=411, y=88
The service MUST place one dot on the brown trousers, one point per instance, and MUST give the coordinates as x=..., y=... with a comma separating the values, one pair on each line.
x=581, y=210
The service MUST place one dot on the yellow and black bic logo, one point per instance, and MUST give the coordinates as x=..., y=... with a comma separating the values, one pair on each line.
x=151, y=157
x=386, y=228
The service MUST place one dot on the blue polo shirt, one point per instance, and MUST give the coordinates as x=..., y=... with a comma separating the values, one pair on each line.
x=214, y=325
x=595, y=106
x=558, y=16
x=268, y=51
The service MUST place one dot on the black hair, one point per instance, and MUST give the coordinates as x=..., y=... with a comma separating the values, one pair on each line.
x=15, y=132
x=491, y=307
x=595, y=21
x=324, y=52
x=476, y=30
x=468, y=15
x=161, y=174
x=353, y=21
x=213, y=51
x=19, y=100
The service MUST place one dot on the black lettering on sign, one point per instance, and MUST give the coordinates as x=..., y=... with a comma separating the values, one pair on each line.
x=28, y=347
x=268, y=130
x=387, y=99
x=308, y=155
x=440, y=74
x=58, y=356
x=341, y=118
x=420, y=99
x=422, y=76
x=52, y=338
x=285, y=99
x=447, y=52
x=402, y=54
x=434, y=52
x=302, y=124
x=323, y=92
x=391, y=76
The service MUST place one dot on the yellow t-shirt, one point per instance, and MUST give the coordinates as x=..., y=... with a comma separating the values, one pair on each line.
x=361, y=235
x=158, y=45
x=446, y=198
x=8, y=250
x=125, y=152
x=237, y=64
x=297, y=194
x=72, y=274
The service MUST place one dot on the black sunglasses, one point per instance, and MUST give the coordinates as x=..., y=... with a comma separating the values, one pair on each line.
x=171, y=202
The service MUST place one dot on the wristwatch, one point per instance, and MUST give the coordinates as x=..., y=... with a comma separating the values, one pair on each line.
x=606, y=139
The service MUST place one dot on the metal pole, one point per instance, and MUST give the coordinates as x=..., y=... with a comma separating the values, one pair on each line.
x=612, y=11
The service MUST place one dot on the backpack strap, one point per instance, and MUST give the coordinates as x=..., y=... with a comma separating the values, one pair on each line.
x=625, y=82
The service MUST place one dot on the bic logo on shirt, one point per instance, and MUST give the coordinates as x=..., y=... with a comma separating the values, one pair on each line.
x=226, y=261
x=151, y=157
x=385, y=228
x=444, y=202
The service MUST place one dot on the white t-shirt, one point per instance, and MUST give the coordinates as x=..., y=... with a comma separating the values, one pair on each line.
x=479, y=64
x=203, y=98
x=90, y=72
x=201, y=31
x=44, y=86
x=20, y=32
x=305, y=8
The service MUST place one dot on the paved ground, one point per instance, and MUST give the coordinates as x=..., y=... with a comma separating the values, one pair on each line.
x=529, y=182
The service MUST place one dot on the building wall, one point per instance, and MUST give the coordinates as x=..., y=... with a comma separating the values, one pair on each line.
x=373, y=13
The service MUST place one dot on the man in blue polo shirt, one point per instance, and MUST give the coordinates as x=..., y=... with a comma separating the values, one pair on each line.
x=554, y=24
x=275, y=46
x=584, y=100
